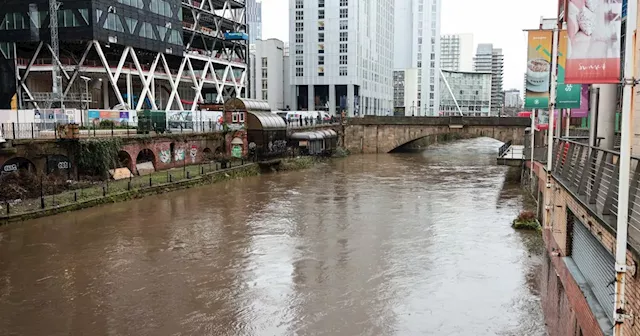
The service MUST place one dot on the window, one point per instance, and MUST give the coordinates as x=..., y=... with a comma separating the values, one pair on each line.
x=343, y=59
x=162, y=30
x=265, y=96
x=299, y=60
x=175, y=37
x=113, y=23
x=145, y=30
x=299, y=72
x=299, y=26
x=299, y=15
x=132, y=23
x=321, y=3
x=264, y=62
x=265, y=84
x=320, y=37
x=299, y=4
x=161, y=7
x=344, y=24
x=299, y=38
x=135, y=3
x=344, y=2
x=344, y=13
x=343, y=48
x=321, y=60
x=321, y=14
x=342, y=71
x=299, y=49
x=344, y=36
x=265, y=73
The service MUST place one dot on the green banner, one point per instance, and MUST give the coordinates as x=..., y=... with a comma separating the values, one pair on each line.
x=567, y=95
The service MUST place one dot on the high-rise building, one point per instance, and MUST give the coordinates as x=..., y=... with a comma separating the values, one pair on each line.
x=254, y=20
x=417, y=49
x=143, y=54
x=267, y=81
x=490, y=59
x=456, y=52
x=512, y=98
x=342, y=56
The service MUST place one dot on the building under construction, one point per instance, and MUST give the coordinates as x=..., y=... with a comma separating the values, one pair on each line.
x=124, y=54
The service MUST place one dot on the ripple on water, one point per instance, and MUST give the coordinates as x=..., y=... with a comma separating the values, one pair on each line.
x=368, y=245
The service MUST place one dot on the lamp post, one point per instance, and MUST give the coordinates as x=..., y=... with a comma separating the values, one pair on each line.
x=87, y=100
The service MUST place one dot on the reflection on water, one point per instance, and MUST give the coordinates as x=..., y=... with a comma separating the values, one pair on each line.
x=369, y=245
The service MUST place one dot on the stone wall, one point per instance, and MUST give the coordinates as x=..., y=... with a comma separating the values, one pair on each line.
x=383, y=138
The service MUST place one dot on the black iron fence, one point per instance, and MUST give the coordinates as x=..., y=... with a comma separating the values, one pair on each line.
x=52, y=193
x=48, y=130
x=592, y=174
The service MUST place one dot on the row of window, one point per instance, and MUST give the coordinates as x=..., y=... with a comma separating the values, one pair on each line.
x=342, y=71
x=160, y=7
x=66, y=18
x=114, y=23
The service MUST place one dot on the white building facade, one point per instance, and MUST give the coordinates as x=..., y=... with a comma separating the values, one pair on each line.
x=254, y=20
x=472, y=92
x=456, y=52
x=341, y=56
x=267, y=75
x=417, y=46
x=512, y=98
x=490, y=59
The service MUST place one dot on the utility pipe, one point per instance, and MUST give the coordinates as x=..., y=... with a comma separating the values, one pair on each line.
x=619, y=307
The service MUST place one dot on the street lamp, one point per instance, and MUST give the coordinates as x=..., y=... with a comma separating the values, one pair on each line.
x=87, y=101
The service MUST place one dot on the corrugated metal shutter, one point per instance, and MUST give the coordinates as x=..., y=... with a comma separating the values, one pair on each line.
x=596, y=264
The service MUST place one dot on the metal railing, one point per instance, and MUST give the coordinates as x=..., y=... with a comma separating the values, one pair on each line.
x=592, y=174
x=504, y=148
x=50, y=130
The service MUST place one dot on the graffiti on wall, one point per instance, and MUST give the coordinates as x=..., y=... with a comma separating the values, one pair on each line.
x=193, y=153
x=165, y=156
x=179, y=154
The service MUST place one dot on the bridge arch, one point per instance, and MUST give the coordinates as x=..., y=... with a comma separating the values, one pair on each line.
x=18, y=164
x=384, y=134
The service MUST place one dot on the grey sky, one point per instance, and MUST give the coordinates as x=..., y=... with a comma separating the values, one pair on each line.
x=491, y=21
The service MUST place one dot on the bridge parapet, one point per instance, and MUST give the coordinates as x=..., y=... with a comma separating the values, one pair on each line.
x=442, y=121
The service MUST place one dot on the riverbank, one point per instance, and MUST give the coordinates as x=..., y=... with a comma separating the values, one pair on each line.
x=139, y=187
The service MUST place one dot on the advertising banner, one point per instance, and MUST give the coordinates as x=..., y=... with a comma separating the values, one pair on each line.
x=538, y=69
x=583, y=110
x=118, y=117
x=594, y=41
x=567, y=95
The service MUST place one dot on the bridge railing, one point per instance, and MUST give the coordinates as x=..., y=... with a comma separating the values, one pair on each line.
x=504, y=148
x=592, y=175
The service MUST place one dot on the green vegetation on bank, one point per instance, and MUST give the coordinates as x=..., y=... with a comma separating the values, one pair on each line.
x=92, y=194
x=526, y=220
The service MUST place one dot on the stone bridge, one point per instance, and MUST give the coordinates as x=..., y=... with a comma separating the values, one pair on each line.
x=384, y=134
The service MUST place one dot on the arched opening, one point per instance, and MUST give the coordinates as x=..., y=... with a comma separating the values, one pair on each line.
x=146, y=155
x=124, y=160
x=207, y=154
x=58, y=165
x=18, y=164
x=145, y=162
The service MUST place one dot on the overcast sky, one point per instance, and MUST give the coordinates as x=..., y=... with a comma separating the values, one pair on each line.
x=491, y=21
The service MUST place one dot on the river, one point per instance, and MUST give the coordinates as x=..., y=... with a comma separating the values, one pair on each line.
x=408, y=244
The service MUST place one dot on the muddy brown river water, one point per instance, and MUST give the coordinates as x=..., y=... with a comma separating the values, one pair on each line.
x=412, y=244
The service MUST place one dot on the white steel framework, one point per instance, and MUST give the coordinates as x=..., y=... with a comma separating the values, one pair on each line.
x=226, y=85
x=208, y=62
